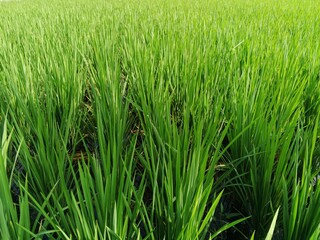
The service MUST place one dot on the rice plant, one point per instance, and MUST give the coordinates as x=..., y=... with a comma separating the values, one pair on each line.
x=159, y=119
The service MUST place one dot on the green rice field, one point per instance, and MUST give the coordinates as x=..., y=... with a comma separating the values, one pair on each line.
x=161, y=120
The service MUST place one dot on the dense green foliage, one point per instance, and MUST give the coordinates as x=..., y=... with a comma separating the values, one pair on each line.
x=159, y=119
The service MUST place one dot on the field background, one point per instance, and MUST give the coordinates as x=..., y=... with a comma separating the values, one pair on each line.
x=159, y=119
